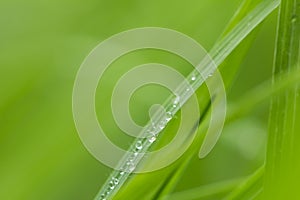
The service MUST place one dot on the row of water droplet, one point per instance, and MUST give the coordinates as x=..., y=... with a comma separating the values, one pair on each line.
x=141, y=145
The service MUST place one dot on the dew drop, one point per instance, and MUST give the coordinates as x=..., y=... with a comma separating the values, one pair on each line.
x=169, y=116
x=153, y=129
x=132, y=157
x=102, y=196
x=115, y=181
x=176, y=101
x=151, y=138
x=139, y=145
x=161, y=125
x=131, y=167
x=111, y=185
x=151, y=132
x=193, y=78
x=119, y=175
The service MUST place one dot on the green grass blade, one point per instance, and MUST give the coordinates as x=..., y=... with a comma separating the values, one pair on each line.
x=238, y=109
x=250, y=188
x=261, y=93
x=242, y=107
x=283, y=165
x=219, y=53
x=247, y=24
x=226, y=46
x=209, y=190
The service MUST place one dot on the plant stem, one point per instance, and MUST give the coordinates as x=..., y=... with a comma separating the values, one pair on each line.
x=282, y=164
x=250, y=188
x=261, y=93
x=219, y=53
x=206, y=190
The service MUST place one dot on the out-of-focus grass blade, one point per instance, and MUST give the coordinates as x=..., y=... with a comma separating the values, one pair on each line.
x=261, y=93
x=250, y=188
x=159, y=183
x=282, y=163
x=210, y=190
x=246, y=22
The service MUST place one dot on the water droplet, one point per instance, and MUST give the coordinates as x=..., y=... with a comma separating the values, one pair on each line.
x=119, y=175
x=161, y=125
x=111, y=185
x=115, y=181
x=132, y=157
x=131, y=167
x=169, y=116
x=139, y=145
x=153, y=129
x=193, y=78
x=176, y=101
x=150, y=132
x=151, y=138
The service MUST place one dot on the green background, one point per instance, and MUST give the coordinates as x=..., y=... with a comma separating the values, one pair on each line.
x=43, y=43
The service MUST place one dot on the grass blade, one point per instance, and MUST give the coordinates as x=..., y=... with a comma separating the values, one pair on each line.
x=261, y=93
x=219, y=53
x=250, y=188
x=247, y=24
x=282, y=165
x=206, y=190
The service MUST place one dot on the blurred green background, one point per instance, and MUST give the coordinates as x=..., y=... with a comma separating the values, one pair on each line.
x=43, y=43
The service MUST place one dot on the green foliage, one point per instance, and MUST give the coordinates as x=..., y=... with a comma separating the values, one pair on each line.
x=283, y=165
x=160, y=183
x=42, y=44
